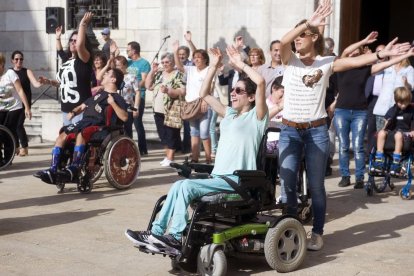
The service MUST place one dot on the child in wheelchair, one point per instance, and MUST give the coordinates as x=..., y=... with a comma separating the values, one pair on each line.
x=93, y=109
x=241, y=129
x=399, y=119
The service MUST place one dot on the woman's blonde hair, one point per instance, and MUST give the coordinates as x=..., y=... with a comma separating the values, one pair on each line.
x=402, y=95
x=405, y=62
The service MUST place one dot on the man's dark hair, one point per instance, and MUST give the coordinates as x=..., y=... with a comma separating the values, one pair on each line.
x=204, y=54
x=186, y=49
x=273, y=42
x=119, y=76
x=135, y=45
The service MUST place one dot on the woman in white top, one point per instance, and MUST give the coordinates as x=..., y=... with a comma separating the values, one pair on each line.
x=305, y=79
x=199, y=128
x=13, y=101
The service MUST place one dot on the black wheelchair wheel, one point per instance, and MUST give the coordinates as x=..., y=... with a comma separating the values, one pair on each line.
x=285, y=245
x=7, y=147
x=122, y=162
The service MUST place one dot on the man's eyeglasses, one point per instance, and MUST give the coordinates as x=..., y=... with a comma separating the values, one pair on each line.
x=72, y=40
x=302, y=35
x=17, y=59
x=238, y=90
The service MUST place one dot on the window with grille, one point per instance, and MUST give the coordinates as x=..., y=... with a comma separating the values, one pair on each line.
x=105, y=13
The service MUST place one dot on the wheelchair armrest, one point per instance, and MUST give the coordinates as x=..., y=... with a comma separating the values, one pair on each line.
x=182, y=169
x=249, y=173
x=201, y=168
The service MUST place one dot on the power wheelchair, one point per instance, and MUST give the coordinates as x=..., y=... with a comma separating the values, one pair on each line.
x=107, y=149
x=239, y=222
x=379, y=186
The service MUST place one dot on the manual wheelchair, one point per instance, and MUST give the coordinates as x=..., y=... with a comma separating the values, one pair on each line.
x=107, y=149
x=241, y=221
x=7, y=147
x=407, y=158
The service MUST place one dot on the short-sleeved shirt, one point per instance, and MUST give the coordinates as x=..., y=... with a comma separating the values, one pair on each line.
x=175, y=80
x=305, y=88
x=129, y=87
x=9, y=99
x=239, y=142
x=399, y=119
x=96, y=105
x=139, y=67
x=195, y=79
x=75, y=78
x=270, y=73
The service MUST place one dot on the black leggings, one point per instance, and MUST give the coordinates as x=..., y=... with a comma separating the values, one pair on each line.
x=15, y=122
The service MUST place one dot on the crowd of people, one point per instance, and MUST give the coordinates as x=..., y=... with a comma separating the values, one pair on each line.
x=306, y=90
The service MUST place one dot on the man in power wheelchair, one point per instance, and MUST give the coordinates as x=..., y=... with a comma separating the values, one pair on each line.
x=226, y=203
x=96, y=129
x=393, y=155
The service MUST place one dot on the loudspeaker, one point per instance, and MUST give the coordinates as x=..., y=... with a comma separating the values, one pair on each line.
x=55, y=16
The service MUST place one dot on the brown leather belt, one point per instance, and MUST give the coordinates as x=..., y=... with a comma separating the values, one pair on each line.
x=304, y=125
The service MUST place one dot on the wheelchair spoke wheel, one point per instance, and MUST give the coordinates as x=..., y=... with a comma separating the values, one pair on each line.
x=217, y=266
x=122, y=162
x=7, y=147
x=94, y=166
x=285, y=245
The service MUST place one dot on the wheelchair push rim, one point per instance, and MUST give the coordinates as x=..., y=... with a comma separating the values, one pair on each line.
x=7, y=145
x=122, y=162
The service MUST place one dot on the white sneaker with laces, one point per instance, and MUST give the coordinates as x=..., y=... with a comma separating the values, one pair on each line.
x=166, y=163
x=315, y=243
x=163, y=160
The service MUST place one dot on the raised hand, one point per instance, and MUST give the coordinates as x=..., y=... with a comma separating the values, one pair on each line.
x=154, y=66
x=393, y=49
x=239, y=43
x=318, y=17
x=188, y=36
x=235, y=57
x=175, y=45
x=58, y=31
x=86, y=18
x=216, y=57
x=371, y=38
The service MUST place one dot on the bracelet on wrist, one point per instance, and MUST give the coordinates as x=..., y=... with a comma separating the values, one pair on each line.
x=57, y=38
x=378, y=56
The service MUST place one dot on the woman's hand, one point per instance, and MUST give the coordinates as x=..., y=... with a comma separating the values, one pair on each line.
x=58, y=32
x=188, y=36
x=235, y=58
x=86, y=18
x=28, y=113
x=216, y=57
x=154, y=67
x=371, y=38
x=393, y=49
x=318, y=17
x=204, y=107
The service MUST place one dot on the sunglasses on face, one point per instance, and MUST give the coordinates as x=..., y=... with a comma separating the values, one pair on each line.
x=17, y=59
x=72, y=40
x=238, y=90
x=302, y=35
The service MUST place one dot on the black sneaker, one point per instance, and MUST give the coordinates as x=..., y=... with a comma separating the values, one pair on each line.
x=359, y=184
x=167, y=244
x=345, y=181
x=140, y=239
x=47, y=176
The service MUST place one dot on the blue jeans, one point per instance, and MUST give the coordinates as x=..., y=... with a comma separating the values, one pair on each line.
x=179, y=198
x=213, y=134
x=139, y=126
x=201, y=127
x=351, y=121
x=314, y=143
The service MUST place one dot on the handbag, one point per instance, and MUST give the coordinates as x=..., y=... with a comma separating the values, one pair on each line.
x=172, y=116
x=191, y=110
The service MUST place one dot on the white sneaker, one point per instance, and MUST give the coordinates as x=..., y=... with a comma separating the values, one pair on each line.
x=163, y=160
x=166, y=163
x=315, y=243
